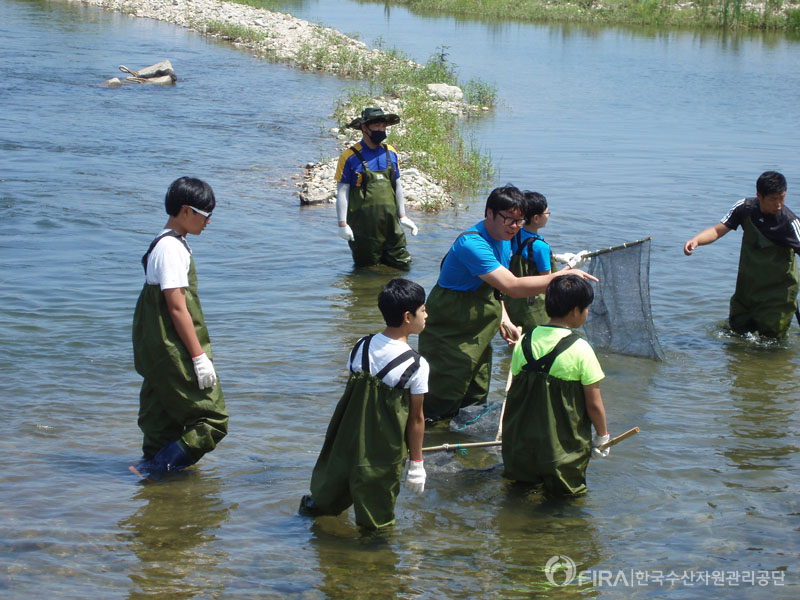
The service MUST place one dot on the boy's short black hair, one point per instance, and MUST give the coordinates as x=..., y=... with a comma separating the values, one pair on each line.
x=770, y=182
x=398, y=297
x=189, y=191
x=565, y=293
x=506, y=197
x=533, y=204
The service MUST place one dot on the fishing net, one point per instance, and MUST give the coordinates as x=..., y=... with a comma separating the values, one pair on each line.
x=620, y=319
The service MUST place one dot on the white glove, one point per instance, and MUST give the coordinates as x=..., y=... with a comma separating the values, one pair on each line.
x=204, y=369
x=579, y=259
x=564, y=258
x=346, y=233
x=415, y=478
x=406, y=222
x=597, y=441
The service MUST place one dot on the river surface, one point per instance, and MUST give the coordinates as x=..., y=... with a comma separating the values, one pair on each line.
x=628, y=134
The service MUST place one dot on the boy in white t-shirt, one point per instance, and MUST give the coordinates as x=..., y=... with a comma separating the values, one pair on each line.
x=378, y=420
x=181, y=409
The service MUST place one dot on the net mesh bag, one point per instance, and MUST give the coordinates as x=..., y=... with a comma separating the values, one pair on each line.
x=620, y=319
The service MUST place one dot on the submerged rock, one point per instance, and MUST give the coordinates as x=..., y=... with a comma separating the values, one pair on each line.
x=160, y=73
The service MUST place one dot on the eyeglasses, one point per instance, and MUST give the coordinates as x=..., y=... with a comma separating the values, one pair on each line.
x=207, y=215
x=511, y=220
x=546, y=213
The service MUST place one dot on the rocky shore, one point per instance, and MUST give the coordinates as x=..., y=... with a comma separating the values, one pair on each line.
x=283, y=37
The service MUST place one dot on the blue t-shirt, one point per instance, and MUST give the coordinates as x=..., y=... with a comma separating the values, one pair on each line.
x=538, y=251
x=349, y=167
x=473, y=255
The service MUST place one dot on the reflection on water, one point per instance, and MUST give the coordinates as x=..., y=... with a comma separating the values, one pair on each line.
x=340, y=550
x=628, y=134
x=172, y=534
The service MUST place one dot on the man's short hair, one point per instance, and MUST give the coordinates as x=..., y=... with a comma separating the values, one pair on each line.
x=189, y=191
x=565, y=293
x=770, y=182
x=506, y=197
x=398, y=297
x=534, y=204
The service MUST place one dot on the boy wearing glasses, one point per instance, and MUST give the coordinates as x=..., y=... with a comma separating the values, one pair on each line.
x=464, y=307
x=181, y=409
x=530, y=255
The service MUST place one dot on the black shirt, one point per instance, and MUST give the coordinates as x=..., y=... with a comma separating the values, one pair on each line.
x=782, y=229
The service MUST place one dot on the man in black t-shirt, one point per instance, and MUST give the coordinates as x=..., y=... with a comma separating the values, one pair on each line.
x=765, y=298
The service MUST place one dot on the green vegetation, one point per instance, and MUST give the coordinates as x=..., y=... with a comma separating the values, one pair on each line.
x=430, y=135
x=236, y=33
x=431, y=138
x=773, y=15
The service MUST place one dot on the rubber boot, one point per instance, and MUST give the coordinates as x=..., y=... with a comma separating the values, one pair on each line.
x=171, y=458
x=308, y=507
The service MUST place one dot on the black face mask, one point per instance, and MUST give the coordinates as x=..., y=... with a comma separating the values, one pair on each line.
x=377, y=136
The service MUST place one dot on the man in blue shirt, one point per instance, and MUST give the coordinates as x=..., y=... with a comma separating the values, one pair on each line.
x=464, y=311
x=369, y=198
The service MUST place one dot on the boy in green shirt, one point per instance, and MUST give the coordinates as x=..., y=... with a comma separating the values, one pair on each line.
x=555, y=397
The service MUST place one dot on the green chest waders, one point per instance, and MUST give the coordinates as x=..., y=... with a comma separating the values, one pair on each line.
x=457, y=343
x=372, y=215
x=526, y=312
x=362, y=458
x=546, y=429
x=765, y=299
x=170, y=404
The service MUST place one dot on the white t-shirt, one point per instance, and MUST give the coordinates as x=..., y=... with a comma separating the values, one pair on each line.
x=382, y=350
x=168, y=263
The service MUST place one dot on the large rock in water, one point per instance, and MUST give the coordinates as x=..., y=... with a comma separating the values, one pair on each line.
x=160, y=73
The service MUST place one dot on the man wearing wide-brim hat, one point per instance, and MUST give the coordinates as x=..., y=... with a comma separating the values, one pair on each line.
x=369, y=197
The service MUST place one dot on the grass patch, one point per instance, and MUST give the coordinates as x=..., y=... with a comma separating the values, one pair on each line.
x=776, y=15
x=432, y=139
x=429, y=134
x=236, y=33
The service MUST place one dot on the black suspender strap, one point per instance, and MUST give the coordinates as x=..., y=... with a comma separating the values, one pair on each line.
x=398, y=360
x=544, y=363
x=360, y=157
x=364, y=341
x=158, y=239
x=526, y=244
x=392, y=174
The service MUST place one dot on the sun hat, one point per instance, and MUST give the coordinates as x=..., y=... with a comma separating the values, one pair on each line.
x=372, y=113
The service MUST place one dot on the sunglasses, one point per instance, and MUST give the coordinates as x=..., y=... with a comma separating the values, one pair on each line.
x=207, y=215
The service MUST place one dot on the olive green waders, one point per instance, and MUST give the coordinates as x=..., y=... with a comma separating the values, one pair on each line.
x=171, y=406
x=457, y=343
x=362, y=458
x=765, y=299
x=526, y=312
x=372, y=215
x=546, y=430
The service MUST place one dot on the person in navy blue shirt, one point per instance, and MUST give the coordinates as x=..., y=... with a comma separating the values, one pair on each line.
x=765, y=298
x=369, y=197
x=464, y=309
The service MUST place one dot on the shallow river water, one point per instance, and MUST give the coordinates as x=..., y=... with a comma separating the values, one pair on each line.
x=628, y=134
